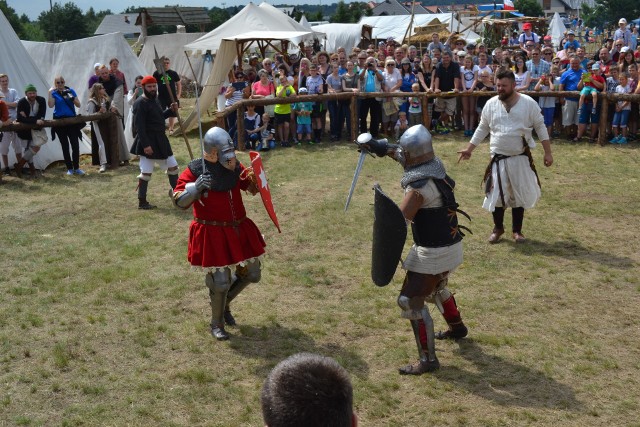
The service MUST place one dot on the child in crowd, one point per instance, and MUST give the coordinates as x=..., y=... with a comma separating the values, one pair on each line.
x=267, y=134
x=303, y=117
x=621, y=116
x=547, y=104
x=415, y=106
x=554, y=78
x=283, y=111
x=252, y=127
x=485, y=83
x=469, y=77
x=593, y=83
x=610, y=86
x=402, y=124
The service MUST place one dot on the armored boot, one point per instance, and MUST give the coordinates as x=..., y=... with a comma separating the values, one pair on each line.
x=451, y=315
x=218, y=286
x=428, y=362
x=245, y=275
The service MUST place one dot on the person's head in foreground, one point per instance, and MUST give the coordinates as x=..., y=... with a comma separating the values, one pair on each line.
x=308, y=390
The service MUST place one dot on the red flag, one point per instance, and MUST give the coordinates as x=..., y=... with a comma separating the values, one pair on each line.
x=508, y=5
x=263, y=186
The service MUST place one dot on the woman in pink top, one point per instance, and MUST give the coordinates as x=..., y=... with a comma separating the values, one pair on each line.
x=261, y=89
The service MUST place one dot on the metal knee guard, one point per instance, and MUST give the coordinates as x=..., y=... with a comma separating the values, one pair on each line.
x=218, y=283
x=250, y=273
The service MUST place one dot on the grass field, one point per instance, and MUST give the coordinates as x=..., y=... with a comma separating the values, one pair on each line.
x=102, y=322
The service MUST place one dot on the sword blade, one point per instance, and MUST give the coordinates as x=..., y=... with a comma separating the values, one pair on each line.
x=356, y=174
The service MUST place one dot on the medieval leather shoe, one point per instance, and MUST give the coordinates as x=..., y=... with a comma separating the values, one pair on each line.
x=519, y=238
x=495, y=235
x=146, y=206
x=419, y=367
x=228, y=318
x=452, y=334
x=219, y=333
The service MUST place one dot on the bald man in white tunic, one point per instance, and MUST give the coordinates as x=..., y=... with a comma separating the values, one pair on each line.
x=511, y=180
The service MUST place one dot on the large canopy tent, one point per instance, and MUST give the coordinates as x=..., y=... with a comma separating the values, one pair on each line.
x=269, y=28
x=75, y=60
x=396, y=26
x=262, y=18
x=343, y=35
x=22, y=70
x=172, y=47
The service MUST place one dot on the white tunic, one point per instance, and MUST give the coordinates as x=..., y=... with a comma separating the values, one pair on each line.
x=507, y=129
x=432, y=260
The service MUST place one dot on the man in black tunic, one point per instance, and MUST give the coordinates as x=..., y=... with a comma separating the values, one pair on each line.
x=150, y=141
x=173, y=78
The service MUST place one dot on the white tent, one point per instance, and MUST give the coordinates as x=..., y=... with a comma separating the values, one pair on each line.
x=172, y=46
x=396, y=26
x=75, y=59
x=22, y=70
x=556, y=29
x=251, y=18
x=337, y=35
x=304, y=22
x=263, y=22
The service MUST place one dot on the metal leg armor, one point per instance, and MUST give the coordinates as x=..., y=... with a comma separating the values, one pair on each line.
x=414, y=310
x=446, y=303
x=250, y=273
x=218, y=283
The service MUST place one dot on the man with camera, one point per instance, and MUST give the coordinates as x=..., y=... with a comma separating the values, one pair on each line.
x=371, y=81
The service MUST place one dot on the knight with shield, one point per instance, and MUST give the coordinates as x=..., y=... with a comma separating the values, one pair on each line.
x=429, y=205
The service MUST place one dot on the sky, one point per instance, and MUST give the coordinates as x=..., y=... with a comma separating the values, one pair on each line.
x=32, y=8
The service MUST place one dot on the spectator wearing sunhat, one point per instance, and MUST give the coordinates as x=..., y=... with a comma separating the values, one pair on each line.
x=623, y=33
x=571, y=41
x=528, y=36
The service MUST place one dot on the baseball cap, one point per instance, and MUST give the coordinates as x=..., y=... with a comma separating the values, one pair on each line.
x=390, y=39
x=471, y=46
x=571, y=33
x=547, y=38
x=622, y=21
x=303, y=90
x=595, y=66
x=526, y=26
x=97, y=65
x=461, y=53
x=625, y=49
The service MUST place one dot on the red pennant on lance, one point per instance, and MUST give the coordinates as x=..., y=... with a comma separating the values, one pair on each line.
x=263, y=186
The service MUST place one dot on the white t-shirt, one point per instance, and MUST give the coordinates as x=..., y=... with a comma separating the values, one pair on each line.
x=546, y=101
x=11, y=96
x=521, y=78
x=624, y=89
x=391, y=79
x=467, y=75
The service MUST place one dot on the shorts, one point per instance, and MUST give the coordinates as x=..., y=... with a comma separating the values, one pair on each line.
x=588, y=90
x=548, y=114
x=586, y=116
x=318, y=110
x=11, y=138
x=282, y=118
x=447, y=105
x=147, y=165
x=304, y=128
x=621, y=118
x=570, y=113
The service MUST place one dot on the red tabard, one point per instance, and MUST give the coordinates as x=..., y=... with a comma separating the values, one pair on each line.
x=214, y=246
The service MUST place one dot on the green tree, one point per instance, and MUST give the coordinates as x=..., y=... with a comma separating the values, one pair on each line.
x=219, y=16
x=13, y=18
x=529, y=7
x=606, y=13
x=65, y=22
x=342, y=15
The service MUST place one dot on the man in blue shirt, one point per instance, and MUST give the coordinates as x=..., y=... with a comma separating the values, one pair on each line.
x=571, y=41
x=569, y=82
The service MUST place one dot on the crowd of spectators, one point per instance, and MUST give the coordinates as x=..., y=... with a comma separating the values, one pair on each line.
x=452, y=65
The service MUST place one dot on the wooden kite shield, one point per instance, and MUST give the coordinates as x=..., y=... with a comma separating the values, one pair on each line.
x=389, y=236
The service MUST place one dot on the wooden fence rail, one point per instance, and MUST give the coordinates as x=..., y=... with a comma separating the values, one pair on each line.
x=58, y=122
x=239, y=107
